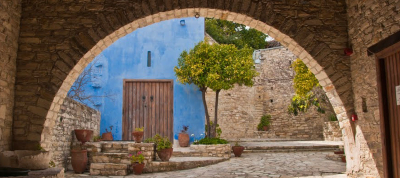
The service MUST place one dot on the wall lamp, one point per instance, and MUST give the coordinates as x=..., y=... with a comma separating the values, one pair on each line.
x=182, y=22
x=197, y=15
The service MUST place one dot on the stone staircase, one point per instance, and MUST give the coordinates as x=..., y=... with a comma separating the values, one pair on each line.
x=111, y=158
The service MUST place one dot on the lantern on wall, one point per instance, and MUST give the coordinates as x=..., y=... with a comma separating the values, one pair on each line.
x=354, y=117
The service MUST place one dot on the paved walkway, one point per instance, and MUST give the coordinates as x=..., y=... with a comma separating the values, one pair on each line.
x=279, y=165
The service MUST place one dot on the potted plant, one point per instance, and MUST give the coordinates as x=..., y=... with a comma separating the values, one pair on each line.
x=107, y=136
x=264, y=122
x=79, y=159
x=164, y=147
x=83, y=135
x=97, y=138
x=183, y=137
x=138, y=134
x=237, y=149
x=137, y=163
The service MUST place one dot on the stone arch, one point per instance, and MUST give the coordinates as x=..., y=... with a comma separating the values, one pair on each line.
x=307, y=38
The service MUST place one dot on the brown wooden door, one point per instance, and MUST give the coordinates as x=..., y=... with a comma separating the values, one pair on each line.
x=148, y=104
x=388, y=63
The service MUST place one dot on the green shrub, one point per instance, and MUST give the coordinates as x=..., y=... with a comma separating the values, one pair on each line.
x=161, y=142
x=265, y=121
x=210, y=141
x=332, y=117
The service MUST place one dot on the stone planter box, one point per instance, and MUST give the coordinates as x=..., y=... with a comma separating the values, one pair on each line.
x=220, y=150
x=26, y=159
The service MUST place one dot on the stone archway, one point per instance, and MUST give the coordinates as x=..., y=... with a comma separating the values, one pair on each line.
x=51, y=59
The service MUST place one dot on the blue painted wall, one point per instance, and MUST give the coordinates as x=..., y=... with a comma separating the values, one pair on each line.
x=127, y=59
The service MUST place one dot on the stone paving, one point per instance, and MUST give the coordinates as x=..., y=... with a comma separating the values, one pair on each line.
x=275, y=165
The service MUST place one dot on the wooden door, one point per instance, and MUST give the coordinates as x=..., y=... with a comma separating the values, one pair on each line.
x=148, y=104
x=388, y=67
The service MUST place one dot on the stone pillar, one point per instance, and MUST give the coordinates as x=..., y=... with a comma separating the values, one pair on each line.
x=10, y=15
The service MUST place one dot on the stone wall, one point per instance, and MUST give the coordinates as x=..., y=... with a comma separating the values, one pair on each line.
x=368, y=22
x=10, y=15
x=332, y=131
x=73, y=115
x=241, y=108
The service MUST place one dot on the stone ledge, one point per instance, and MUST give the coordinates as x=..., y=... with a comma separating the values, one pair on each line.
x=181, y=163
x=220, y=150
x=108, y=169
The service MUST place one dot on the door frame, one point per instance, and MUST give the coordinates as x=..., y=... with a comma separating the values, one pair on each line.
x=148, y=81
x=383, y=107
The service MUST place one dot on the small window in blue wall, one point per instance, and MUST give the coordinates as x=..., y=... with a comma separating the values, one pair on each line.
x=148, y=58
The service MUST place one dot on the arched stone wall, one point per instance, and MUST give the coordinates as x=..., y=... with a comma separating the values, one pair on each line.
x=58, y=39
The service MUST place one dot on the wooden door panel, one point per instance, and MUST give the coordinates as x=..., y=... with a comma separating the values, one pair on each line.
x=148, y=104
x=389, y=74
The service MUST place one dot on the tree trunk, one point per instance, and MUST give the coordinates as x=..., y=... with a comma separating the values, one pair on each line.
x=203, y=94
x=214, y=127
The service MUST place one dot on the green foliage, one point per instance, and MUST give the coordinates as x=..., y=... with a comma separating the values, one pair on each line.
x=264, y=121
x=303, y=103
x=227, y=32
x=333, y=117
x=215, y=66
x=210, y=141
x=218, y=129
x=161, y=142
x=304, y=82
x=40, y=148
x=96, y=138
x=138, y=158
x=52, y=164
x=237, y=143
x=139, y=129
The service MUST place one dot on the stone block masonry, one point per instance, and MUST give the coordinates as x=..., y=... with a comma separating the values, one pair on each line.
x=368, y=22
x=241, y=108
x=10, y=15
x=73, y=115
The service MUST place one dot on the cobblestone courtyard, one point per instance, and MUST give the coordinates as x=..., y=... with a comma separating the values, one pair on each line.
x=279, y=165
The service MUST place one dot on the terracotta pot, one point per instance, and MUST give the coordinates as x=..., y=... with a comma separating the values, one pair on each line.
x=183, y=139
x=83, y=135
x=137, y=168
x=344, y=159
x=107, y=136
x=338, y=152
x=165, y=154
x=265, y=128
x=138, y=136
x=237, y=150
x=79, y=160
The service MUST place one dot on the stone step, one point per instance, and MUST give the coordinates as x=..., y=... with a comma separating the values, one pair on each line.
x=181, y=163
x=109, y=169
x=290, y=148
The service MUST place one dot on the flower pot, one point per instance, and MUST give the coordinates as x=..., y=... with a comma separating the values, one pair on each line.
x=338, y=152
x=79, y=160
x=107, y=136
x=83, y=135
x=237, y=150
x=165, y=154
x=137, y=168
x=138, y=136
x=265, y=128
x=183, y=139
